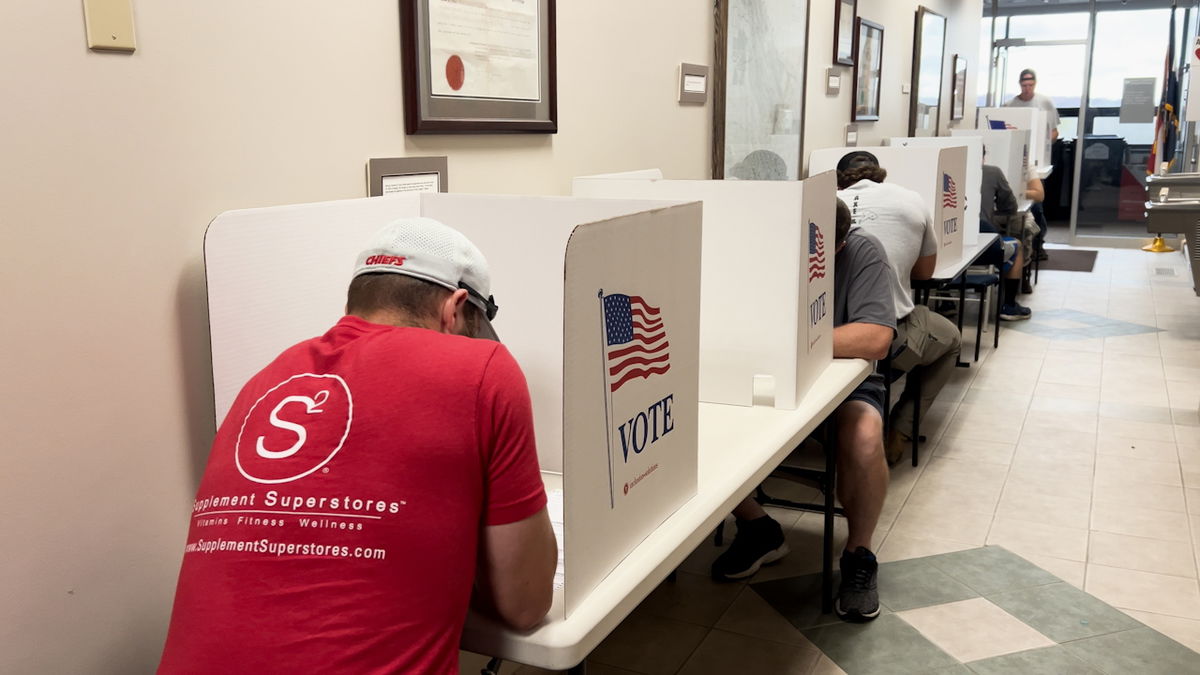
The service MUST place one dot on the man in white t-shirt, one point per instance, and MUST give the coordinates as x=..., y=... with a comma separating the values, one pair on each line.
x=899, y=219
x=1029, y=99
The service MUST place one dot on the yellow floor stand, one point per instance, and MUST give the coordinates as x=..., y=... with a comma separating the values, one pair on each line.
x=1158, y=246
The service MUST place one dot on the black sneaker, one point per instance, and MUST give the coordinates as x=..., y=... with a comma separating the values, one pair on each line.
x=758, y=542
x=1015, y=311
x=858, y=594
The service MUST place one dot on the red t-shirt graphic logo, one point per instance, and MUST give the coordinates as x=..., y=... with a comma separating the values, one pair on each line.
x=294, y=429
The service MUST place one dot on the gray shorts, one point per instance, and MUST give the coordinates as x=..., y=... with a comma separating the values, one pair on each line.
x=870, y=391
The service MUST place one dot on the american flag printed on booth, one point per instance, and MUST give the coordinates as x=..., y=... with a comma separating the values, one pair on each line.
x=636, y=339
x=949, y=192
x=816, y=253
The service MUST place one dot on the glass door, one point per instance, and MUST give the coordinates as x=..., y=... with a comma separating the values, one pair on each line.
x=1129, y=47
x=1055, y=46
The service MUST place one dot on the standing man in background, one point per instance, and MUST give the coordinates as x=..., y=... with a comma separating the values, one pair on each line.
x=1030, y=99
x=370, y=483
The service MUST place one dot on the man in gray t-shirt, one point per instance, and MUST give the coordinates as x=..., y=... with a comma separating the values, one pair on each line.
x=864, y=325
x=1029, y=99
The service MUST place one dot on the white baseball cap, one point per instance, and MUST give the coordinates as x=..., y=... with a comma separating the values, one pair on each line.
x=427, y=249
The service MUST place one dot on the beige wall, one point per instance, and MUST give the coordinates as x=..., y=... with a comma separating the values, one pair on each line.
x=111, y=166
x=826, y=116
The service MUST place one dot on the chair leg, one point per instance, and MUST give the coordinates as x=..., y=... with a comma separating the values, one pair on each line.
x=983, y=294
x=916, y=423
x=887, y=398
x=996, y=333
x=962, y=309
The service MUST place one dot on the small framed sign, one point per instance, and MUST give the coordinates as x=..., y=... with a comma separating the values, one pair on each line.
x=392, y=175
x=693, y=83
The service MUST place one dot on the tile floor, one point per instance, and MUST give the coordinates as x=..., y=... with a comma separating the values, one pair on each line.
x=1074, y=446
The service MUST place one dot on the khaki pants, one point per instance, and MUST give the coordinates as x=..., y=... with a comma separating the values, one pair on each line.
x=930, y=348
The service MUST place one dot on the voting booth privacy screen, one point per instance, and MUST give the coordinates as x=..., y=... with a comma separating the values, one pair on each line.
x=1033, y=120
x=598, y=303
x=938, y=175
x=766, y=286
x=974, y=182
x=1007, y=150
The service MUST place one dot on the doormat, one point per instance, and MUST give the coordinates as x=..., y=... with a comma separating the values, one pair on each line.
x=1069, y=260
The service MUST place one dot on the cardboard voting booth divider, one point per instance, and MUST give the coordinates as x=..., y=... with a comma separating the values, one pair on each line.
x=938, y=175
x=1007, y=150
x=1033, y=120
x=974, y=183
x=599, y=305
x=766, y=285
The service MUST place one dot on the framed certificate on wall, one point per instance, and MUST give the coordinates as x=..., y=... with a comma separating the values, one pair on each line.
x=486, y=66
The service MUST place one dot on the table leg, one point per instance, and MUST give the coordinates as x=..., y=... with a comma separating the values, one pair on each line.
x=831, y=450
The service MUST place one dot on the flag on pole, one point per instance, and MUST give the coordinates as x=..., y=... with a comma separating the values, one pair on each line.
x=1166, y=122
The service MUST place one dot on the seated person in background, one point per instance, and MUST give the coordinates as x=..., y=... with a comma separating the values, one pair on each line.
x=864, y=323
x=930, y=342
x=366, y=480
x=997, y=203
x=1035, y=191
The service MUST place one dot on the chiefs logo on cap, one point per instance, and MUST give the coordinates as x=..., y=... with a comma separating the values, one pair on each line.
x=397, y=260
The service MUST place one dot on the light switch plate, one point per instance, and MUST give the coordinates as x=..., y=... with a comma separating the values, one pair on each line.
x=905, y=88
x=109, y=25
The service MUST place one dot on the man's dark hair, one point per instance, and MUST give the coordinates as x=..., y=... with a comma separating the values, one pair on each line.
x=1028, y=72
x=857, y=165
x=843, y=222
x=868, y=172
x=418, y=299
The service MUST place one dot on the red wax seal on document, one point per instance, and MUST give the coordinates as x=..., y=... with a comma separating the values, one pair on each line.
x=456, y=73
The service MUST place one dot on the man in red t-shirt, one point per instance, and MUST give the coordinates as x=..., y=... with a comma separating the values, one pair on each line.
x=365, y=479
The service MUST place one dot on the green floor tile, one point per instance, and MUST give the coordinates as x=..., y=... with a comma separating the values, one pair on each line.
x=1046, y=661
x=1062, y=612
x=992, y=569
x=798, y=599
x=884, y=646
x=1141, y=651
x=910, y=584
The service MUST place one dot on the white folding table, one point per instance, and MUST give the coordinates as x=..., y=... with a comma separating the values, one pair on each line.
x=738, y=447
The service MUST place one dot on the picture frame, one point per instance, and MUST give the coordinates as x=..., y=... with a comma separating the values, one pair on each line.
x=929, y=49
x=868, y=71
x=391, y=175
x=844, y=14
x=758, y=116
x=958, y=94
x=461, y=77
